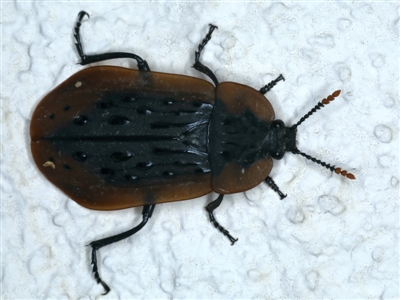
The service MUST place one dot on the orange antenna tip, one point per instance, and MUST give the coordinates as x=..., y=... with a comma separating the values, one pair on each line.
x=325, y=101
x=330, y=98
x=344, y=173
x=350, y=176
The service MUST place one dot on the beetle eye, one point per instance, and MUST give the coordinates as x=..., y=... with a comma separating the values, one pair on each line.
x=278, y=124
x=278, y=155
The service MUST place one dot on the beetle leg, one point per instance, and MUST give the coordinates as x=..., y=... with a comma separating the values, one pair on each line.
x=210, y=208
x=270, y=85
x=96, y=245
x=273, y=186
x=88, y=59
x=197, y=64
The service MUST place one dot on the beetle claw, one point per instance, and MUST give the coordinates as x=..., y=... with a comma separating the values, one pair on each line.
x=82, y=14
x=105, y=286
x=233, y=241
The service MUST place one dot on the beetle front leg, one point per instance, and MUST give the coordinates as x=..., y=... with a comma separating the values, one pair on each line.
x=197, y=64
x=270, y=85
x=88, y=59
x=274, y=187
x=210, y=208
x=96, y=245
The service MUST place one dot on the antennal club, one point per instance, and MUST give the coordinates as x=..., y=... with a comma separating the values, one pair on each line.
x=319, y=105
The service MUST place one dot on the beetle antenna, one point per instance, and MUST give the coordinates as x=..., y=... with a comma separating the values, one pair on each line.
x=324, y=164
x=319, y=105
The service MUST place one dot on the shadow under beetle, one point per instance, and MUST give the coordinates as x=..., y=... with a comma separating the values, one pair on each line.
x=113, y=138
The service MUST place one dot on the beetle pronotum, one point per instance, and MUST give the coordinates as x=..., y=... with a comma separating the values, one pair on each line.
x=112, y=138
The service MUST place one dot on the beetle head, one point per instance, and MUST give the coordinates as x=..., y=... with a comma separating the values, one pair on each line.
x=282, y=139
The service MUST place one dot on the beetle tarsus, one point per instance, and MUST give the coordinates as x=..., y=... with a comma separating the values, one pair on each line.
x=96, y=272
x=274, y=187
x=77, y=35
x=88, y=59
x=96, y=245
x=210, y=208
x=270, y=85
x=197, y=64
x=221, y=229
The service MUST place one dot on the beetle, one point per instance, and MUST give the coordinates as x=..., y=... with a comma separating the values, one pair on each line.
x=112, y=138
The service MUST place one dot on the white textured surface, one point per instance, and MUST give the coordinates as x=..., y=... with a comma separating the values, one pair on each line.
x=330, y=238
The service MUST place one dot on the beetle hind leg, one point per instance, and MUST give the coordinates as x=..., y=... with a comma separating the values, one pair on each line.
x=197, y=64
x=210, y=208
x=88, y=59
x=274, y=187
x=96, y=245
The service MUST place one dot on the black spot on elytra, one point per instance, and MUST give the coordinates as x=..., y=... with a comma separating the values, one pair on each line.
x=130, y=177
x=157, y=151
x=80, y=120
x=105, y=104
x=106, y=172
x=118, y=120
x=80, y=156
x=67, y=168
x=197, y=104
x=51, y=116
x=121, y=156
x=67, y=107
x=143, y=111
x=144, y=165
x=128, y=99
x=225, y=154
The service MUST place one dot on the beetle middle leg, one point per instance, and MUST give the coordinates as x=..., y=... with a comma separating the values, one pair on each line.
x=210, y=208
x=88, y=59
x=273, y=186
x=197, y=64
x=96, y=245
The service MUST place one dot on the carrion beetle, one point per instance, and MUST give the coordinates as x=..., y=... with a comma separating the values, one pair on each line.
x=112, y=138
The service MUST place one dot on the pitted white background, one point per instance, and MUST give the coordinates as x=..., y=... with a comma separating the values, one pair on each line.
x=330, y=238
